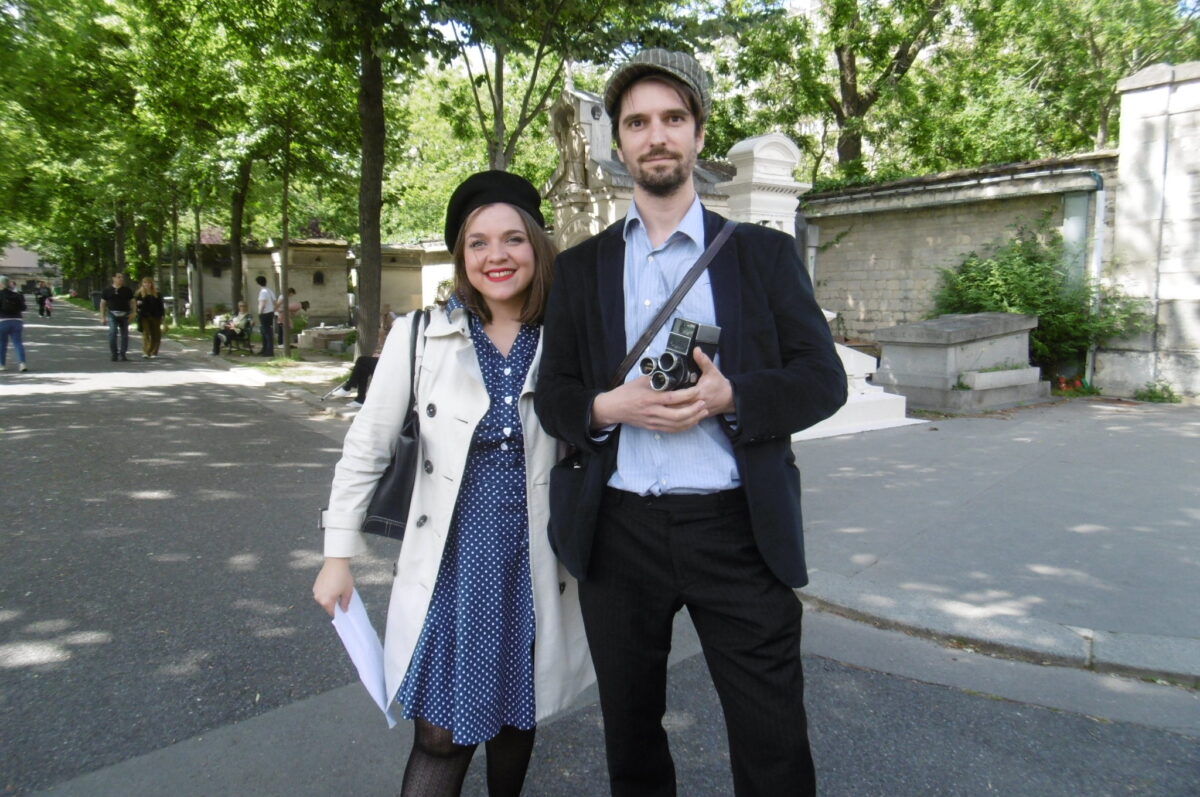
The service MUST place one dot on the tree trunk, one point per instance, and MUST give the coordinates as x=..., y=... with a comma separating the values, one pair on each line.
x=197, y=291
x=175, y=303
x=119, y=238
x=849, y=151
x=370, y=193
x=237, y=213
x=141, y=245
x=497, y=154
x=159, y=223
x=283, y=247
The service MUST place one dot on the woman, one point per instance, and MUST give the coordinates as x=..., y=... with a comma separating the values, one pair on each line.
x=12, y=323
x=150, y=312
x=463, y=652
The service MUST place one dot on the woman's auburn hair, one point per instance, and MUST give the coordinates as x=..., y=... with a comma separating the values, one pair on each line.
x=544, y=252
x=141, y=291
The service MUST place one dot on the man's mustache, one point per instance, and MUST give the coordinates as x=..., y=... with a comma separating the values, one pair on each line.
x=659, y=153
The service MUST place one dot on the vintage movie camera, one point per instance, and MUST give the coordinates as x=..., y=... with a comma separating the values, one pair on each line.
x=675, y=369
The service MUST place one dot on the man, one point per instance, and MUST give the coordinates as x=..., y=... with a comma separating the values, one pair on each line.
x=116, y=303
x=266, y=316
x=689, y=497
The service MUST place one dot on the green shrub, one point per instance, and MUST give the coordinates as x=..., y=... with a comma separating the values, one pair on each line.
x=1027, y=275
x=1159, y=392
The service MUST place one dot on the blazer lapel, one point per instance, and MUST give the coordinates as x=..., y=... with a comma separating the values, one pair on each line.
x=727, y=294
x=610, y=285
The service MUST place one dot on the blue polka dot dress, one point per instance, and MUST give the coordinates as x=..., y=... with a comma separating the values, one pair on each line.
x=472, y=669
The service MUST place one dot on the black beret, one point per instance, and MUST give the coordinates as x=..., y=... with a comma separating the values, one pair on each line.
x=487, y=188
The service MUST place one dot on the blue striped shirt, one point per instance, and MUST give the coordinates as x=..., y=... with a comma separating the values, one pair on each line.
x=699, y=460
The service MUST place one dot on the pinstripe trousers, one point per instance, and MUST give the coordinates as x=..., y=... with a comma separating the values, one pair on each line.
x=653, y=556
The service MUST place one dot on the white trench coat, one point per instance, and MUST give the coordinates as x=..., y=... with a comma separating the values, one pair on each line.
x=452, y=400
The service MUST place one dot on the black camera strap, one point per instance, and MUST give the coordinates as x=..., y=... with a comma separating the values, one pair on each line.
x=680, y=291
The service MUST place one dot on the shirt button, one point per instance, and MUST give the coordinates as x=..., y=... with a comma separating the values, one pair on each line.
x=428, y=466
x=650, y=258
x=508, y=372
x=646, y=303
x=504, y=446
x=657, y=436
x=508, y=399
x=431, y=410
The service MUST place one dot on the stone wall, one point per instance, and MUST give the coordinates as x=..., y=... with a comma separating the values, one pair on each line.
x=1158, y=230
x=880, y=249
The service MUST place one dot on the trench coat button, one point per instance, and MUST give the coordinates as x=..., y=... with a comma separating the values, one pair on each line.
x=395, y=569
x=431, y=409
x=428, y=466
x=562, y=587
x=422, y=520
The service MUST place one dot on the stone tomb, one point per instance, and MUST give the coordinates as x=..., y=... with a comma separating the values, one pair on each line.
x=961, y=363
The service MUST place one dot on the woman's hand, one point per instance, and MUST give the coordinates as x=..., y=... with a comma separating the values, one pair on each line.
x=334, y=584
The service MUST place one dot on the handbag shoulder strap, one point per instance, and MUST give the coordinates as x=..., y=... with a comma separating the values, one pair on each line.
x=680, y=291
x=418, y=330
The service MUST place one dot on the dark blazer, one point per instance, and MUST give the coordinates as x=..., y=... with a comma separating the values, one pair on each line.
x=775, y=349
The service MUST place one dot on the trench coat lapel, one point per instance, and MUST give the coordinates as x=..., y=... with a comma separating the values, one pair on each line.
x=727, y=295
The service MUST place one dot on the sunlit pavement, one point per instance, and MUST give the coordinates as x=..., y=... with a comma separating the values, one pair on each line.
x=157, y=634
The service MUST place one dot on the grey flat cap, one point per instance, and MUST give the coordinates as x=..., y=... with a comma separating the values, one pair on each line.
x=678, y=65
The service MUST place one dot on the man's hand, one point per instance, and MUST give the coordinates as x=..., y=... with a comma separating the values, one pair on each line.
x=715, y=391
x=637, y=404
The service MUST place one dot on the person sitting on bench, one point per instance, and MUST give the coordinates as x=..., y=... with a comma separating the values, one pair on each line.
x=234, y=328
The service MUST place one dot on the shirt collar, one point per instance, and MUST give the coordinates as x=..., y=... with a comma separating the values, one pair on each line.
x=691, y=225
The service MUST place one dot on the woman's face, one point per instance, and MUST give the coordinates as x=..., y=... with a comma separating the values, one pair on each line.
x=147, y=284
x=499, y=257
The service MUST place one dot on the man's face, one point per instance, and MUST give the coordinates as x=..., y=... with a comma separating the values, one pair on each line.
x=118, y=280
x=659, y=141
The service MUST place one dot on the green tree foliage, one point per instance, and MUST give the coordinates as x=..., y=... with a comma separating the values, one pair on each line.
x=1027, y=79
x=808, y=74
x=1026, y=275
x=538, y=38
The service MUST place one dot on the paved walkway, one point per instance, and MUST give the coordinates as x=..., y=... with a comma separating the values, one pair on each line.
x=1066, y=533
x=1014, y=533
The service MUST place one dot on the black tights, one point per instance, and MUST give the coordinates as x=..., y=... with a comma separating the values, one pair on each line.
x=437, y=766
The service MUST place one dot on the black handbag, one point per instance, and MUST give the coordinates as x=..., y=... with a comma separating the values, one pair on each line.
x=575, y=485
x=387, y=513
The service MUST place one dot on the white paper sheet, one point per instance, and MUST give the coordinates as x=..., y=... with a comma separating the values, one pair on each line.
x=362, y=643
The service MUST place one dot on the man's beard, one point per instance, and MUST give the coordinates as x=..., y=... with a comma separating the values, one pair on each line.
x=663, y=182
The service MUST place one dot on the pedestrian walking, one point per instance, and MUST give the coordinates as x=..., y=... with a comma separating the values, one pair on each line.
x=150, y=312
x=12, y=323
x=463, y=653
x=266, y=316
x=683, y=490
x=116, y=305
x=42, y=295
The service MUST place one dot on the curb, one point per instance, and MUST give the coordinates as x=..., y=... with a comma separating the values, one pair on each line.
x=957, y=624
